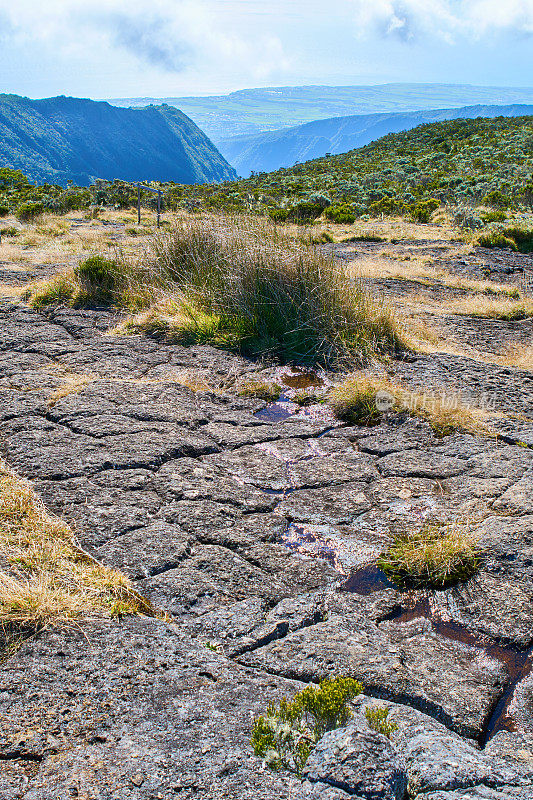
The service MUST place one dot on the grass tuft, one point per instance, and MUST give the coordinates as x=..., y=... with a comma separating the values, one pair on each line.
x=435, y=556
x=363, y=400
x=46, y=579
x=243, y=284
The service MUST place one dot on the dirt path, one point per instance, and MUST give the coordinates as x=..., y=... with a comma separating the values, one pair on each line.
x=246, y=532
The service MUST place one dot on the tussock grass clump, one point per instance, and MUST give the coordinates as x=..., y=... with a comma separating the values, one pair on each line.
x=45, y=579
x=363, y=400
x=287, y=734
x=245, y=284
x=513, y=237
x=435, y=556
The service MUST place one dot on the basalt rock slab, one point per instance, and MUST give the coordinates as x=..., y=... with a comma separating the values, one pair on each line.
x=453, y=682
x=361, y=762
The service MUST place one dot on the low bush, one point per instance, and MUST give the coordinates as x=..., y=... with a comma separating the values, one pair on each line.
x=4, y=210
x=513, y=237
x=435, y=556
x=377, y=720
x=497, y=199
x=10, y=231
x=28, y=212
x=342, y=214
x=422, y=211
x=288, y=733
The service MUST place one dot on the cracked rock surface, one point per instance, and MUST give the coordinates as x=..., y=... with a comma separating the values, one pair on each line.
x=247, y=532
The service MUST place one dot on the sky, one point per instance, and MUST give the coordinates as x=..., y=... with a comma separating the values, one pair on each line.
x=173, y=48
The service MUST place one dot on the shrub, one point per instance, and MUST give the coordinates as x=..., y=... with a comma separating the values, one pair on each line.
x=435, y=556
x=278, y=214
x=11, y=231
x=286, y=736
x=377, y=721
x=28, y=212
x=343, y=214
x=304, y=212
x=497, y=199
x=4, y=210
x=422, y=211
x=515, y=237
x=493, y=216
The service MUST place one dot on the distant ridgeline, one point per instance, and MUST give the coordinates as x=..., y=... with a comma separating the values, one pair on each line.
x=63, y=139
x=270, y=150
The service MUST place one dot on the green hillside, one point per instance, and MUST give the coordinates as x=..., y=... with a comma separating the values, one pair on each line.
x=63, y=139
x=454, y=162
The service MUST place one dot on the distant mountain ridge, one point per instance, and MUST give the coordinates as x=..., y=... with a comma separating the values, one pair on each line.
x=251, y=111
x=66, y=138
x=266, y=152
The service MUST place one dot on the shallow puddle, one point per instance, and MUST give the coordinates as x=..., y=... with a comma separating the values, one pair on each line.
x=367, y=580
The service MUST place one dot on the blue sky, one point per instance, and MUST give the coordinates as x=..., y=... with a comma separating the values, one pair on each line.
x=157, y=48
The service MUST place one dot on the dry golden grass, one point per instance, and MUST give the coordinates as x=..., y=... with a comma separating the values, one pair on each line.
x=418, y=269
x=72, y=385
x=8, y=290
x=491, y=307
x=46, y=580
x=435, y=556
x=363, y=399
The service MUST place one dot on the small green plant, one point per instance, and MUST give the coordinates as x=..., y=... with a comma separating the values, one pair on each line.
x=11, y=231
x=211, y=646
x=4, y=210
x=377, y=719
x=288, y=733
x=304, y=398
x=435, y=556
x=28, y=212
x=261, y=390
x=494, y=216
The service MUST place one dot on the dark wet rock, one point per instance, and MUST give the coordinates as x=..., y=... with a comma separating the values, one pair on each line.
x=361, y=762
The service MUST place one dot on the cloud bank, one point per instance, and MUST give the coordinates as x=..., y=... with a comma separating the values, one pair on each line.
x=447, y=19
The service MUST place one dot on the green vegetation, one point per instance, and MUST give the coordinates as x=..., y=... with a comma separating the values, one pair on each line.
x=514, y=237
x=288, y=733
x=29, y=211
x=261, y=391
x=377, y=719
x=458, y=162
x=435, y=556
x=242, y=284
x=354, y=401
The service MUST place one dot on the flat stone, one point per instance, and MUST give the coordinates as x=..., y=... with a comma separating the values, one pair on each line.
x=361, y=762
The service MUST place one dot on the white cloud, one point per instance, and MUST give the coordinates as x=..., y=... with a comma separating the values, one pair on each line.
x=168, y=35
x=448, y=19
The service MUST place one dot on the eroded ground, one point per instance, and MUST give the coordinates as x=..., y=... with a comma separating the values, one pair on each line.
x=257, y=534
